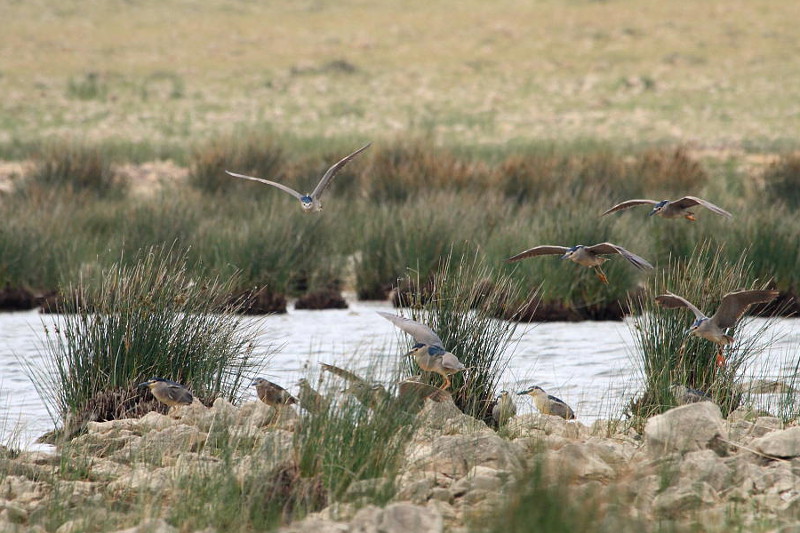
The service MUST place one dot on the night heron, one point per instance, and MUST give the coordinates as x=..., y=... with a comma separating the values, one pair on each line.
x=309, y=202
x=588, y=256
x=368, y=393
x=548, y=404
x=310, y=399
x=672, y=209
x=731, y=308
x=428, y=352
x=503, y=408
x=412, y=392
x=684, y=395
x=272, y=394
x=168, y=392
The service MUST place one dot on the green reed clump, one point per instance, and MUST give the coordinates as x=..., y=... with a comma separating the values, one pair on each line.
x=135, y=322
x=74, y=165
x=350, y=442
x=459, y=304
x=782, y=180
x=253, y=153
x=666, y=355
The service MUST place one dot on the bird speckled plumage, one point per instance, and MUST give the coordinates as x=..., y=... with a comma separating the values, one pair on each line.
x=310, y=399
x=272, y=394
x=588, y=256
x=672, y=209
x=309, y=202
x=168, y=392
x=684, y=395
x=548, y=404
x=428, y=352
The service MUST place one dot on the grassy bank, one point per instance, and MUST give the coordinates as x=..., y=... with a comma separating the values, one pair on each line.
x=398, y=207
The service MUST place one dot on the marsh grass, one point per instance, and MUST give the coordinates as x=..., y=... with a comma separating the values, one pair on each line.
x=782, y=181
x=77, y=166
x=666, y=355
x=460, y=304
x=135, y=322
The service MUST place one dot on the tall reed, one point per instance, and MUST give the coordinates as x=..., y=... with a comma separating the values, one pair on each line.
x=135, y=322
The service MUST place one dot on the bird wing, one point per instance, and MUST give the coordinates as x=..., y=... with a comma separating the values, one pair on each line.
x=689, y=201
x=415, y=389
x=342, y=373
x=545, y=249
x=281, y=186
x=673, y=301
x=629, y=203
x=328, y=176
x=179, y=393
x=421, y=333
x=734, y=304
x=611, y=248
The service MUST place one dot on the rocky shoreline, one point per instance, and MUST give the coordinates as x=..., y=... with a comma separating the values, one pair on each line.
x=690, y=467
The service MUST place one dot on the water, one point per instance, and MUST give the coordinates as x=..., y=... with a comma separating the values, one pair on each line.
x=590, y=365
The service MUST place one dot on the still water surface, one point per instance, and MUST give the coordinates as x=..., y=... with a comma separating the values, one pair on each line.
x=590, y=365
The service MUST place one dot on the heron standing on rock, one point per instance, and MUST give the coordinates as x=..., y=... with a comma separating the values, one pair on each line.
x=428, y=352
x=732, y=306
x=168, y=392
x=272, y=394
x=588, y=256
x=503, y=408
x=547, y=404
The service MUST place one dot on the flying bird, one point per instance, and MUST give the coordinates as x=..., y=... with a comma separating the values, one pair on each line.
x=672, y=209
x=309, y=202
x=588, y=256
x=732, y=306
x=428, y=352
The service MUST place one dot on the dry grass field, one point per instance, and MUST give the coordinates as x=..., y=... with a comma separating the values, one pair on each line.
x=718, y=75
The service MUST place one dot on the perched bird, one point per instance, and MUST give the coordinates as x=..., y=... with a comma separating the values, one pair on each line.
x=168, y=392
x=503, y=408
x=731, y=308
x=672, y=209
x=368, y=393
x=547, y=404
x=309, y=202
x=588, y=256
x=272, y=394
x=428, y=352
x=684, y=394
x=310, y=399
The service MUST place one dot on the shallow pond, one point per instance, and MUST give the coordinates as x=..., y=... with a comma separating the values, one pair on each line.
x=590, y=365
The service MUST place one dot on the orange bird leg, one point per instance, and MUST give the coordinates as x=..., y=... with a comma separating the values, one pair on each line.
x=690, y=217
x=446, y=383
x=601, y=275
x=720, y=358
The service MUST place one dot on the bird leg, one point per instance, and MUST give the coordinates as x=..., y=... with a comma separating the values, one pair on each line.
x=446, y=383
x=601, y=275
x=690, y=217
x=682, y=348
x=720, y=358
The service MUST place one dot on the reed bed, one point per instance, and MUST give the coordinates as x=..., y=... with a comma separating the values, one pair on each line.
x=130, y=323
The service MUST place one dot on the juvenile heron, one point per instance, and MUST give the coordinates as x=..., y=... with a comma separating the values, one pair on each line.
x=272, y=394
x=684, y=395
x=368, y=393
x=672, y=209
x=168, y=392
x=588, y=256
x=412, y=393
x=731, y=308
x=547, y=404
x=503, y=408
x=428, y=352
x=309, y=202
x=310, y=399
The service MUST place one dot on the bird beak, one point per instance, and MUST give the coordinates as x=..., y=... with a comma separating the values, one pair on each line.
x=687, y=332
x=565, y=256
x=651, y=213
x=522, y=393
x=145, y=384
